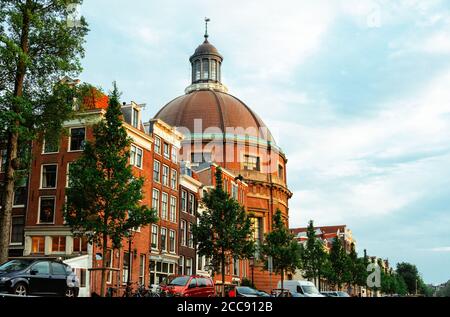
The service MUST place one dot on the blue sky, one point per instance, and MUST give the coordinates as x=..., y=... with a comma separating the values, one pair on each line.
x=355, y=92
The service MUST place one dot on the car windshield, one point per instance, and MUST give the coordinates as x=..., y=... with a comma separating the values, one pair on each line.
x=246, y=290
x=179, y=281
x=14, y=265
x=308, y=289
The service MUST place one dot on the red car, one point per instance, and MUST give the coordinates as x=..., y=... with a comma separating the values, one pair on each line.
x=191, y=286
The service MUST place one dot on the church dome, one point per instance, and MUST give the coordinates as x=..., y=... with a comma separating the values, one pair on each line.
x=214, y=109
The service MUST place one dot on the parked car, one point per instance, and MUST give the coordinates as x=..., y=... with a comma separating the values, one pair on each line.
x=38, y=277
x=281, y=292
x=262, y=294
x=335, y=294
x=191, y=286
x=245, y=291
x=305, y=288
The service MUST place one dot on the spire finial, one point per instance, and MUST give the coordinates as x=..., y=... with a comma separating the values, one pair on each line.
x=206, y=28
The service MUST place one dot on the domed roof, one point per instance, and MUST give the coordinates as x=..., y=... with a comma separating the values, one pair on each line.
x=215, y=109
x=206, y=48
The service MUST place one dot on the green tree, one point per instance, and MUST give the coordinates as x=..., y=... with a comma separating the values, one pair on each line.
x=444, y=291
x=314, y=259
x=37, y=48
x=339, y=262
x=356, y=270
x=410, y=275
x=103, y=198
x=223, y=230
x=281, y=245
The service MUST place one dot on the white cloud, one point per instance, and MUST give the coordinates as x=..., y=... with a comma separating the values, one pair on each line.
x=374, y=166
x=440, y=249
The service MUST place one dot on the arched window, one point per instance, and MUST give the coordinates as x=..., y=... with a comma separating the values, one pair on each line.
x=213, y=70
x=205, y=70
x=197, y=70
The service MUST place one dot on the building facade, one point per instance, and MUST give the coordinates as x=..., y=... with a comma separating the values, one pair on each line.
x=220, y=128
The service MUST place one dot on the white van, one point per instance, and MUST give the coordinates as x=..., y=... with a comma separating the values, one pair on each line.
x=301, y=288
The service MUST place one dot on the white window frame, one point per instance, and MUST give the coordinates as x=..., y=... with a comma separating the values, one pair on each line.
x=167, y=182
x=173, y=213
x=191, y=202
x=68, y=174
x=70, y=138
x=166, y=155
x=42, y=176
x=110, y=273
x=11, y=231
x=173, y=177
x=183, y=233
x=142, y=269
x=164, y=247
x=43, y=147
x=158, y=202
x=164, y=214
x=159, y=171
x=184, y=206
x=174, y=154
x=14, y=198
x=134, y=156
x=174, y=241
x=157, y=141
x=157, y=237
x=39, y=210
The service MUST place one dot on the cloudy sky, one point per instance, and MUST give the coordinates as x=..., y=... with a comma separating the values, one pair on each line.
x=357, y=93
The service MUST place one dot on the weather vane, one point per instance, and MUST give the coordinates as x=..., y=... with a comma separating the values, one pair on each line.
x=206, y=27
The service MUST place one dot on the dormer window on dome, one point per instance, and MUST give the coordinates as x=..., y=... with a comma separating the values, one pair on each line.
x=206, y=65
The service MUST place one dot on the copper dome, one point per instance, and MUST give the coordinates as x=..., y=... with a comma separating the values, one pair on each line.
x=215, y=109
x=206, y=48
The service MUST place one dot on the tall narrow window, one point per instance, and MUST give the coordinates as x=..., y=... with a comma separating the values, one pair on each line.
x=126, y=265
x=157, y=145
x=190, y=236
x=163, y=239
x=213, y=70
x=50, y=146
x=183, y=233
x=174, y=179
x=165, y=175
x=173, y=208
x=135, y=118
x=164, y=203
x=48, y=179
x=172, y=241
x=47, y=210
x=142, y=269
x=37, y=245
x=17, y=227
x=183, y=200
x=156, y=171
x=174, y=154
x=197, y=70
x=154, y=236
x=205, y=70
x=166, y=153
x=155, y=200
x=77, y=137
x=191, y=204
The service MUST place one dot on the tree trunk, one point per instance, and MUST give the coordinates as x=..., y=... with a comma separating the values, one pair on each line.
x=104, y=253
x=13, y=139
x=223, y=273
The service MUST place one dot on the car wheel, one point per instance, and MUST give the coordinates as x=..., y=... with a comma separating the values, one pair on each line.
x=70, y=292
x=20, y=289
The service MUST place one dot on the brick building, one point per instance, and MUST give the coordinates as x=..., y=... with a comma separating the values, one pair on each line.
x=164, y=258
x=190, y=188
x=220, y=128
